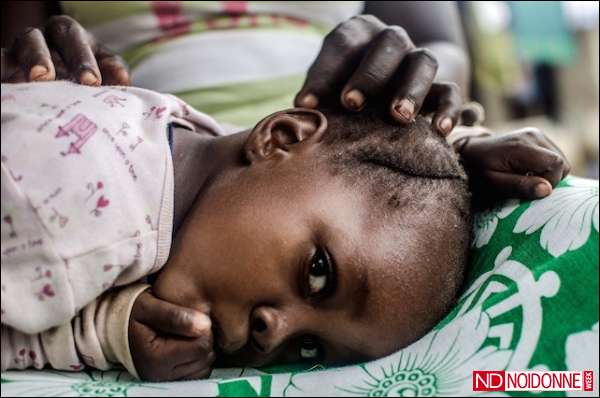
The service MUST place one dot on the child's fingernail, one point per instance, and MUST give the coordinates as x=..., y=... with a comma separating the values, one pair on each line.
x=38, y=72
x=405, y=109
x=88, y=78
x=354, y=99
x=202, y=323
x=309, y=101
x=543, y=189
x=445, y=125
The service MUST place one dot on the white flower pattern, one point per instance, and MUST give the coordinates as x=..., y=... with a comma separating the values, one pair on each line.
x=440, y=363
x=485, y=222
x=566, y=217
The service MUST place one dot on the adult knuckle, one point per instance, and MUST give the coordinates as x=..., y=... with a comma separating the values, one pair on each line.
x=25, y=37
x=555, y=161
x=533, y=132
x=61, y=20
x=367, y=19
x=397, y=37
x=513, y=142
x=31, y=31
x=426, y=56
x=60, y=24
x=341, y=40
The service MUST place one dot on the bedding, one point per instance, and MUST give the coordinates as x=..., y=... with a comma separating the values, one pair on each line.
x=530, y=302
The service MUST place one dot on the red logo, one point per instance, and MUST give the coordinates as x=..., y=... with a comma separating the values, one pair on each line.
x=488, y=380
x=499, y=380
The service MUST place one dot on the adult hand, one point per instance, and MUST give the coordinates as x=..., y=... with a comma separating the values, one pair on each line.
x=62, y=49
x=363, y=59
x=169, y=342
x=522, y=164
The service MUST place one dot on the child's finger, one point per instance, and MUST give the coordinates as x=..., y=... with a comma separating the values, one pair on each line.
x=71, y=40
x=171, y=318
x=518, y=186
x=187, y=349
x=193, y=370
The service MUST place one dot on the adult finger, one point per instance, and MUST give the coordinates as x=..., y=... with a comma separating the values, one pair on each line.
x=62, y=72
x=170, y=318
x=541, y=139
x=536, y=160
x=341, y=52
x=444, y=101
x=74, y=45
x=31, y=53
x=11, y=72
x=417, y=77
x=112, y=68
x=377, y=68
x=519, y=186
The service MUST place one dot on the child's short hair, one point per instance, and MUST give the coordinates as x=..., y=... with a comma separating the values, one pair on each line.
x=408, y=169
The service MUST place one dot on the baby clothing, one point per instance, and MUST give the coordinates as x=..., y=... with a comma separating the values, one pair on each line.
x=87, y=206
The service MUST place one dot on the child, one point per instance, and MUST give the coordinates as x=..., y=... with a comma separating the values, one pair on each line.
x=289, y=239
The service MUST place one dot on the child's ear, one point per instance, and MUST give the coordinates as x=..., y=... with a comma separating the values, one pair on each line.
x=278, y=132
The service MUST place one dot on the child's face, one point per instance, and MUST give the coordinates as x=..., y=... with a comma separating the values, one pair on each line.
x=254, y=254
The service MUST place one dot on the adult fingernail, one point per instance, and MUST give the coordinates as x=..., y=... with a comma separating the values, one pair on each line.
x=38, y=72
x=354, y=99
x=405, y=108
x=543, y=189
x=88, y=78
x=445, y=125
x=309, y=101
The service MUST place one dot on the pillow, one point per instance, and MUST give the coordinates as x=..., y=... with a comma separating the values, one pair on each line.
x=530, y=302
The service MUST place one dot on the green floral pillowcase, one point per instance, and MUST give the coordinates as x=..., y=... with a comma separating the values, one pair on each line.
x=530, y=302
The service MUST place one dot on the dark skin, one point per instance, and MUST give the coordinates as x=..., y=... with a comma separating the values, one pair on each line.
x=250, y=286
x=243, y=252
x=160, y=329
x=360, y=59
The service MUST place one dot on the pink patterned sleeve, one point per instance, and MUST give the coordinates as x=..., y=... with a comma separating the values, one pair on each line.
x=96, y=337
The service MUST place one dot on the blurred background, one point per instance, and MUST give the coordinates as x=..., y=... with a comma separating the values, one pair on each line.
x=536, y=63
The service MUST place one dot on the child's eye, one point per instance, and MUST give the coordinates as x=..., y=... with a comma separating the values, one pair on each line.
x=320, y=274
x=309, y=349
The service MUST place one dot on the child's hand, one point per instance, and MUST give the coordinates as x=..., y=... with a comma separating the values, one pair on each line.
x=522, y=164
x=169, y=342
x=62, y=49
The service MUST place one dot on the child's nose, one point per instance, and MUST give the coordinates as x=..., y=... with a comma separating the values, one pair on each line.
x=269, y=328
